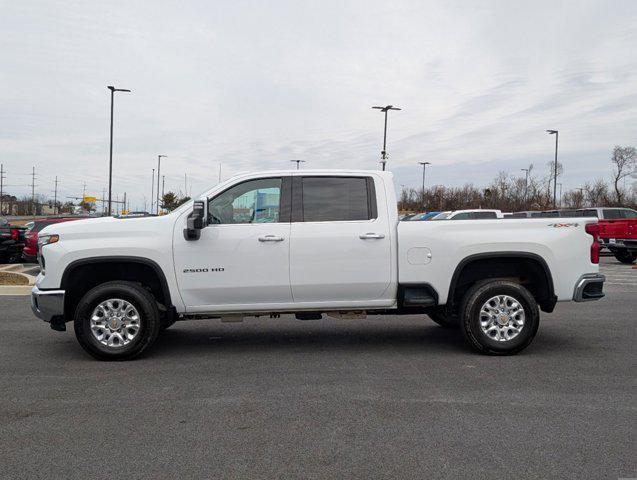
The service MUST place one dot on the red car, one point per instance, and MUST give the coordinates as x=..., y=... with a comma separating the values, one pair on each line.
x=617, y=230
x=30, y=252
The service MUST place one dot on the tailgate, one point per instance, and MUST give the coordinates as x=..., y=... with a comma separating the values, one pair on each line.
x=618, y=228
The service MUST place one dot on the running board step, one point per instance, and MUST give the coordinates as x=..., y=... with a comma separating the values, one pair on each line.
x=418, y=297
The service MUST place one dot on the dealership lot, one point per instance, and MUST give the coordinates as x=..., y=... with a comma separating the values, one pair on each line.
x=386, y=397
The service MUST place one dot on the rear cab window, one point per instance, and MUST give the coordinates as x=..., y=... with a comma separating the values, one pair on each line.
x=333, y=199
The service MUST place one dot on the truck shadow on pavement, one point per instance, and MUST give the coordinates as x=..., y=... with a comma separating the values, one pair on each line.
x=184, y=340
x=187, y=341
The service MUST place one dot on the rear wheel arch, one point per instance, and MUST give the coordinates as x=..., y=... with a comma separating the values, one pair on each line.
x=82, y=275
x=536, y=275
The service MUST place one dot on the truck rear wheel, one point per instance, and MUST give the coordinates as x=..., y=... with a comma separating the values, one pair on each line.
x=117, y=321
x=625, y=256
x=499, y=317
x=445, y=320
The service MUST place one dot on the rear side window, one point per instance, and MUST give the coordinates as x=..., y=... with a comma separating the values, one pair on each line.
x=630, y=213
x=333, y=199
x=612, y=214
x=482, y=215
x=587, y=213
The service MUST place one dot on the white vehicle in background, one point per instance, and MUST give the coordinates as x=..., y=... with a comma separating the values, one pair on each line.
x=309, y=243
x=475, y=214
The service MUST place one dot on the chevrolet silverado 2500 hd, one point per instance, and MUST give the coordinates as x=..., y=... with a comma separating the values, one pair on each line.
x=309, y=243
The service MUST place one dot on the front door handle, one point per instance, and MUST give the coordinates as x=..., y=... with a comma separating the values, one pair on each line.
x=371, y=236
x=270, y=238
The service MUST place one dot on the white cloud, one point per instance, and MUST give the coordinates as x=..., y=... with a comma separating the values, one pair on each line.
x=254, y=84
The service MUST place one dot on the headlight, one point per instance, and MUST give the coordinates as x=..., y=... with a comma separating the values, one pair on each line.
x=47, y=239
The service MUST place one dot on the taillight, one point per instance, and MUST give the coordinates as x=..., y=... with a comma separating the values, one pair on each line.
x=593, y=229
x=15, y=233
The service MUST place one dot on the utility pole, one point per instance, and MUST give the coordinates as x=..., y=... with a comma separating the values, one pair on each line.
x=298, y=162
x=219, y=180
x=33, y=192
x=1, y=185
x=110, y=158
x=56, y=210
x=159, y=157
x=383, y=153
x=424, y=173
x=125, y=208
x=526, y=183
x=152, y=192
x=103, y=195
x=560, y=204
x=557, y=134
x=163, y=184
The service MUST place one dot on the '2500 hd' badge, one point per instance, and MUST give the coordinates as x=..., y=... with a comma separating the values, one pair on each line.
x=203, y=270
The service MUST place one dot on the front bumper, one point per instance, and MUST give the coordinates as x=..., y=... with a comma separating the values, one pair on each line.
x=589, y=287
x=47, y=305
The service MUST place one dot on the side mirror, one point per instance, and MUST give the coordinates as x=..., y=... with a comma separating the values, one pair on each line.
x=196, y=221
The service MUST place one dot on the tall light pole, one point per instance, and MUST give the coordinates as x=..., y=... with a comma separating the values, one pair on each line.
x=110, y=158
x=298, y=162
x=556, y=133
x=159, y=157
x=152, y=191
x=424, y=173
x=526, y=183
x=383, y=153
x=560, y=204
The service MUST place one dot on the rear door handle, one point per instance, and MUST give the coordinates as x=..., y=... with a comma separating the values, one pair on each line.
x=371, y=236
x=270, y=238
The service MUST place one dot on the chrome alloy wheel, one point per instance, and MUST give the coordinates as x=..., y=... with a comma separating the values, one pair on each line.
x=502, y=318
x=115, y=322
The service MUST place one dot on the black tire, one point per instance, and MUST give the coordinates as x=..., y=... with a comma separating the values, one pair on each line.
x=625, y=256
x=140, y=298
x=472, y=303
x=452, y=322
x=14, y=258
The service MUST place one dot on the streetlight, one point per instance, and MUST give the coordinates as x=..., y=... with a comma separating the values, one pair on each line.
x=383, y=153
x=424, y=172
x=298, y=162
x=526, y=183
x=152, y=191
x=110, y=161
x=556, y=133
x=159, y=157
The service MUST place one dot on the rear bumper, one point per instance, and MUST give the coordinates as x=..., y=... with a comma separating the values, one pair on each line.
x=47, y=304
x=589, y=287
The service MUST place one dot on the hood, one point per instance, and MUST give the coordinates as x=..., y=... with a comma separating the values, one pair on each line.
x=108, y=226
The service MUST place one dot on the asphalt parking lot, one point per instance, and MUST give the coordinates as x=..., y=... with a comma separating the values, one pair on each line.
x=389, y=397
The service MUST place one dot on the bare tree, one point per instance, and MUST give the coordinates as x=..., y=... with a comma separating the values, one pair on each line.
x=624, y=162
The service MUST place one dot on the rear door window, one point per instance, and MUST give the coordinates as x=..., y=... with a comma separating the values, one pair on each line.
x=483, y=215
x=612, y=214
x=334, y=199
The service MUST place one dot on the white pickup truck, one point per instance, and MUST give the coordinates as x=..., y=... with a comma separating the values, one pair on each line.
x=309, y=243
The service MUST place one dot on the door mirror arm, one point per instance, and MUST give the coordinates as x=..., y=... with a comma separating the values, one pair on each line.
x=196, y=220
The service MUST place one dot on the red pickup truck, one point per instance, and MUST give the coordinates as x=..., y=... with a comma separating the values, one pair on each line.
x=617, y=230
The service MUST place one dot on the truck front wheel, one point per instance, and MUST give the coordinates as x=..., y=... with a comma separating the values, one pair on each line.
x=499, y=317
x=117, y=321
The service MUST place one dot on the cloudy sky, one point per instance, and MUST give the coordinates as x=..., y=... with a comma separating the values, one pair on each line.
x=253, y=84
